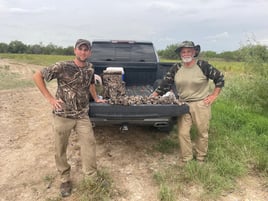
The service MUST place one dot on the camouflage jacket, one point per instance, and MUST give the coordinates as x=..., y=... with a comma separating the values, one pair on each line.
x=73, y=87
x=209, y=71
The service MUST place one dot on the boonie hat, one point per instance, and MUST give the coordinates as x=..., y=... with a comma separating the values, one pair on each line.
x=188, y=44
x=80, y=42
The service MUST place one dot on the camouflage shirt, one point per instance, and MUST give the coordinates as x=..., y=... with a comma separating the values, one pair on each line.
x=73, y=87
x=208, y=70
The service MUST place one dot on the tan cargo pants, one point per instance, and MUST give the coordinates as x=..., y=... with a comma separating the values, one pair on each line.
x=199, y=115
x=62, y=130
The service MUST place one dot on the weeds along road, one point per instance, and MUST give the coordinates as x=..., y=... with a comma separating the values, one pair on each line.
x=27, y=167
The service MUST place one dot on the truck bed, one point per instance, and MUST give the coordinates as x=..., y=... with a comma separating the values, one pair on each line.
x=144, y=91
x=158, y=115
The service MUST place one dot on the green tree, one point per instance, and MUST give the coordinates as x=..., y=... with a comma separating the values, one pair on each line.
x=169, y=52
x=228, y=55
x=17, y=47
x=3, y=48
x=49, y=49
x=208, y=54
x=35, y=49
x=254, y=53
x=68, y=51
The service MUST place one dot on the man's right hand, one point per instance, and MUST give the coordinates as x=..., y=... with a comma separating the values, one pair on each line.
x=56, y=103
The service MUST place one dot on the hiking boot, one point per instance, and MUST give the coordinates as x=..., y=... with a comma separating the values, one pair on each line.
x=66, y=189
x=182, y=163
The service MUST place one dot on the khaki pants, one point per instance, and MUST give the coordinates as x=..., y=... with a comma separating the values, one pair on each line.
x=62, y=130
x=199, y=115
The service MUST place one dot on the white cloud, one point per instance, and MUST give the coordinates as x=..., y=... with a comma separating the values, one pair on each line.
x=217, y=37
x=163, y=5
x=29, y=11
x=264, y=41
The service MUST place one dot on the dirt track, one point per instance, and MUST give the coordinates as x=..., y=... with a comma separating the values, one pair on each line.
x=27, y=168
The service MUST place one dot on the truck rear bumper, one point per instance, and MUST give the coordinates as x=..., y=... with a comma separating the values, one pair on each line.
x=157, y=122
x=158, y=115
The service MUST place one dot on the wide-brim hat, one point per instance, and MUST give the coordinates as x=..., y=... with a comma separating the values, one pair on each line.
x=189, y=44
x=80, y=42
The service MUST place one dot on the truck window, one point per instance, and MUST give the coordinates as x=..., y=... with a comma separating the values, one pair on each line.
x=132, y=52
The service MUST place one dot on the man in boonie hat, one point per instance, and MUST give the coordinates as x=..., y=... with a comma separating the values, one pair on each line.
x=191, y=78
x=188, y=44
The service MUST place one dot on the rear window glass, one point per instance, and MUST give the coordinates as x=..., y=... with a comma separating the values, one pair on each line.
x=134, y=52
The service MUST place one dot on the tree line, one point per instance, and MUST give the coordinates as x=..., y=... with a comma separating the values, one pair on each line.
x=19, y=47
x=260, y=52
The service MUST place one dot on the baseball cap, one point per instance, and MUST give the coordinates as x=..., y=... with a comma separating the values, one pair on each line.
x=80, y=42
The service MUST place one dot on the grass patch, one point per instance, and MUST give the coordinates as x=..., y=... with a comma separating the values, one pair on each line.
x=167, y=145
x=238, y=145
x=166, y=194
x=175, y=181
x=242, y=135
x=98, y=189
x=37, y=59
x=229, y=66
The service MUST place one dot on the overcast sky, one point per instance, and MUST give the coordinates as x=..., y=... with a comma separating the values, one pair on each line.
x=217, y=25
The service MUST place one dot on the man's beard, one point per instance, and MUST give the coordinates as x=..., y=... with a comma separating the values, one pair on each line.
x=187, y=59
x=82, y=60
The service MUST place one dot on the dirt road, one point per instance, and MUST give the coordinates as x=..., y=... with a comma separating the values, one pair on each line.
x=27, y=168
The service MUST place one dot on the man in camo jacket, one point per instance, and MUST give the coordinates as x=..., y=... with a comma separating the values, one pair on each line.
x=191, y=78
x=70, y=109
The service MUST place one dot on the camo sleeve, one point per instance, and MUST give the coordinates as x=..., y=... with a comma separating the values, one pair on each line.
x=168, y=80
x=212, y=73
x=52, y=72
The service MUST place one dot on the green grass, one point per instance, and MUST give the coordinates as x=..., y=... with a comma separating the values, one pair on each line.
x=167, y=145
x=244, y=134
x=37, y=59
x=99, y=189
x=227, y=66
x=169, y=60
x=238, y=146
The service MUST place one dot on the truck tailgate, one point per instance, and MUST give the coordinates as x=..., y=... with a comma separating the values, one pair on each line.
x=109, y=111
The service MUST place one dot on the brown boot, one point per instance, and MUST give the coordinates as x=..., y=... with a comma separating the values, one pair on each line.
x=182, y=163
x=66, y=189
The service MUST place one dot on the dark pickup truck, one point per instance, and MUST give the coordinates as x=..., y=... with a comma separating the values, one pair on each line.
x=141, y=70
